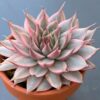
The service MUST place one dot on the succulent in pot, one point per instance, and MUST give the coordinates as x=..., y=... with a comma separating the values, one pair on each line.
x=49, y=52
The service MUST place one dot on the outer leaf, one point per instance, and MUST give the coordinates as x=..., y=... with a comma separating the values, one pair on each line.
x=19, y=81
x=87, y=51
x=21, y=73
x=54, y=80
x=38, y=71
x=65, y=81
x=46, y=62
x=90, y=65
x=44, y=85
x=23, y=61
x=17, y=31
x=75, y=44
x=58, y=67
x=80, y=33
x=5, y=52
x=7, y=44
x=75, y=63
x=32, y=83
x=6, y=66
x=20, y=49
x=90, y=34
x=73, y=76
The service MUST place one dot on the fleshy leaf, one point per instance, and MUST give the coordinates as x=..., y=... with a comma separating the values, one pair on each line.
x=65, y=25
x=44, y=85
x=46, y=49
x=58, y=67
x=65, y=81
x=65, y=54
x=54, y=80
x=35, y=55
x=5, y=52
x=80, y=33
x=59, y=15
x=90, y=66
x=54, y=54
x=16, y=81
x=75, y=44
x=90, y=34
x=38, y=71
x=23, y=61
x=7, y=44
x=64, y=40
x=44, y=19
x=17, y=31
x=46, y=62
x=73, y=76
x=76, y=62
x=6, y=66
x=19, y=48
x=21, y=73
x=87, y=51
x=32, y=83
x=29, y=24
x=52, y=26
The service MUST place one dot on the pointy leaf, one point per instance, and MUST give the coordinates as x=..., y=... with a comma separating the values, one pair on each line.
x=87, y=51
x=46, y=62
x=38, y=71
x=73, y=76
x=75, y=44
x=76, y=62
x=54, y=80
x=44, y=85
x=32, y=83
x=21, y=73
x=58, y=67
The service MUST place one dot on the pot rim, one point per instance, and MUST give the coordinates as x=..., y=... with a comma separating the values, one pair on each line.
x=20, y=89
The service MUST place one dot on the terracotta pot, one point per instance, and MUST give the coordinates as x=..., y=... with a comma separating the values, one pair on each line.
x=21, y=93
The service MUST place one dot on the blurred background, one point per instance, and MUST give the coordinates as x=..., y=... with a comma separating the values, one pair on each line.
x=88, y=13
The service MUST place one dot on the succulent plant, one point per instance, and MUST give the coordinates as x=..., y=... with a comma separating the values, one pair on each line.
x=49, y=52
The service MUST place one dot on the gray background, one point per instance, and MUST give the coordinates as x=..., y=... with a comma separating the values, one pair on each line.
x=88, y=13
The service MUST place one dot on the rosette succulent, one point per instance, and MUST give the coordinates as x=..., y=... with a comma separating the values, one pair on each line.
x=49, y=52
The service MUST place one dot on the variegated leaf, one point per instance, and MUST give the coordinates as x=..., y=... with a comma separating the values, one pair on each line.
x=58, y=67
x=87, y=51
x=33, y=82
x=38, y=71
x=65, y=54
x=73, y=76
x=54, y=80
x=54, y=54
x=44, y=86
x=65, y=25
x=23, y=61
x=5, y=52
x=76, y=62
x=46, y=62
x=4, y=66
x=21, y=73
x=30, y=24
x=75, y=44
